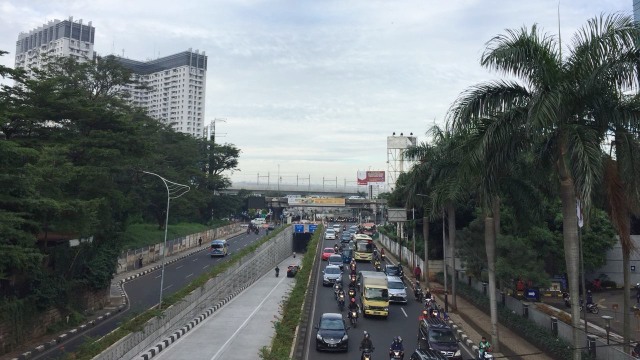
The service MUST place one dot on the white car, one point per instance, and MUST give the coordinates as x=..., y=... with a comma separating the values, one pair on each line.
x=330, y=234
x=397, y=290
x=336, y=228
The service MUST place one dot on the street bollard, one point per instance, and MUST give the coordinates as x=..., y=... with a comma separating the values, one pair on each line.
x=525, y=310
x=554, y=326
x=591, y=345
x=504, y=298
x=484, y=288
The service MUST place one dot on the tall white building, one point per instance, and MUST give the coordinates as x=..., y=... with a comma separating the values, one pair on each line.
x=173, y=89
x=56, y=38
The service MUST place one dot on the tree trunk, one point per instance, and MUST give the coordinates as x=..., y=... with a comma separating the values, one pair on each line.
x=490, y=247
x=572, y=256
x=451, y=215
x=425, y=236
x=626, y=305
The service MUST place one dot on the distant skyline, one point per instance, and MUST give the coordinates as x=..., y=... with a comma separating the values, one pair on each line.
x=313, y=86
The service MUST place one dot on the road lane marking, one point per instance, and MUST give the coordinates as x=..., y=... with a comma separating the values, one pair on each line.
x=222, y=348
x=206, y=266
x=159, y=276
x=189, y=275
x=179, y=267
x=168, y=287
x=196, y=259
x=405, y=314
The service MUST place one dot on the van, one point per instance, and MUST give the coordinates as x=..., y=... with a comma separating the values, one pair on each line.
x=258, y=221
x=219, y=248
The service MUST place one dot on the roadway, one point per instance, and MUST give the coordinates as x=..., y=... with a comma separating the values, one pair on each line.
x=402, y=321
x=144, y=292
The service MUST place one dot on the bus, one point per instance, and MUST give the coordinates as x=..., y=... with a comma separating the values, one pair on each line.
x=219, y=248
x=364, y=248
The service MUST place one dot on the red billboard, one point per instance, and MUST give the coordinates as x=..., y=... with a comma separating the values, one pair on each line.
x=371, y=177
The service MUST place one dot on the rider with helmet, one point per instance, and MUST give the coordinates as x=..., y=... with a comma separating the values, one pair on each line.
x=396, y=345
x=353, y=307
x=366, y=343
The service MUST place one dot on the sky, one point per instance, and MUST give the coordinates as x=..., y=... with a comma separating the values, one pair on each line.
x=311, y=89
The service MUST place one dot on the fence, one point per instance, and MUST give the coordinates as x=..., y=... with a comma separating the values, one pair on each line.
x=237, y=277
x=129, y=260
x=603, y=351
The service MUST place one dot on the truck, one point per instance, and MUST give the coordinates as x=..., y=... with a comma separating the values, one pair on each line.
x=374, y=293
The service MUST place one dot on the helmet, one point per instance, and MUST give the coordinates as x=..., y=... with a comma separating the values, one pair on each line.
x=399, y=339
x=588, y=291
x=366, y=335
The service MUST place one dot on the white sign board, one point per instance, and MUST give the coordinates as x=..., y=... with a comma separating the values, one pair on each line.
x=396, y=215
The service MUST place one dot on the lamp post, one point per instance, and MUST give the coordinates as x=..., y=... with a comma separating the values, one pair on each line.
x=607, y=318
x=174, y=191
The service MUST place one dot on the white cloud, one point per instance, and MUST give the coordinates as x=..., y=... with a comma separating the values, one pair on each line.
x=315, y=86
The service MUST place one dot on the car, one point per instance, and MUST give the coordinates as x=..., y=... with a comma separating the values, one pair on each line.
x=331, y=333
x=393, y=270
x=427, y=354
x=435, y=334
x=397, y=290
x=336, y=259
x=331, y=274
x=347, y=255
x=345, y=238
x=327, y=252
x=336, y=228
x=330, y=234
x=292, y=270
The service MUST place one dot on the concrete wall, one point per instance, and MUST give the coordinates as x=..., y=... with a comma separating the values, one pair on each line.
x=215, y=291
x=613, y=267
x=128, y=260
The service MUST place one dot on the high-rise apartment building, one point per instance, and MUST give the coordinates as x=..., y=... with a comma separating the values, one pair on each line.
x=636, y=10
x=173, y=89
x=56, y=38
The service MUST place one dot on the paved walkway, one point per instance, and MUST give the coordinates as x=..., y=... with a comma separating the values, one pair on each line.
x=476, y=324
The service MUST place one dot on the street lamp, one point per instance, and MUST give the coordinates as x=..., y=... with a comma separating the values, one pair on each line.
x=174, y=191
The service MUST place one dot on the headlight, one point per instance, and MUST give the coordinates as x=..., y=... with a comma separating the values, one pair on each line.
x=457, y=353
x=319, y=337
x=386, y=309
x=345, y=337
x=366, y=307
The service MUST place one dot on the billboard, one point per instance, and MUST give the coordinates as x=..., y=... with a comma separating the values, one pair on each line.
x=371, y=177
x=316, y=201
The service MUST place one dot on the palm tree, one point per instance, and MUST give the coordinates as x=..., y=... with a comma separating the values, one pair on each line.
x=559, y=95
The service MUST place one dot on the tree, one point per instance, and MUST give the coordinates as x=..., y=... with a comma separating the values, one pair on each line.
x=559, y=94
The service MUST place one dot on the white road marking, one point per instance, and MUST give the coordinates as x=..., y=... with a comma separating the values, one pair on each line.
x=206, y=266
x=405, y=314
x=189, y=275
x=196, y=259
x=168, y=287
x=159, y=276
x=179, y=267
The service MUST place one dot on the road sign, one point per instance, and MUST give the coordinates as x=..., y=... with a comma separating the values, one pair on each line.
x=312, y=228
x=396, y=215
x=298, y=228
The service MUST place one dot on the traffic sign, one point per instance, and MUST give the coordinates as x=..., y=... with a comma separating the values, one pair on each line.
x=299, y=228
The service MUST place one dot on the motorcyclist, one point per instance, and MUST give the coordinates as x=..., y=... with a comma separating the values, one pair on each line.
x=336, y=248
x=376, y=255
x=277, y=271
x=366, y=343
x=353, y=307
x=483, y=346
x=427, y=293
x=382, y=253
x=589, y=298
x=416, y=290
x=397, y=346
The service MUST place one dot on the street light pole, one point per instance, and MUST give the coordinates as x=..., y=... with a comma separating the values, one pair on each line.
x=174, y=190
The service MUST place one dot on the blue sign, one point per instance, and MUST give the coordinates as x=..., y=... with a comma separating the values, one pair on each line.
x=299, y=228
x=532, y=294
x=312, y=228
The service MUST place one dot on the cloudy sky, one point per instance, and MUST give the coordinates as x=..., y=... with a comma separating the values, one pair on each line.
x=313, y=87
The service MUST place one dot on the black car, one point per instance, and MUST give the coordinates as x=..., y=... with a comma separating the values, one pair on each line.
x=345, y=238
x=393, y=270
x=427, y=355
x=332, y=333
x=292, y=270
x=435, y=334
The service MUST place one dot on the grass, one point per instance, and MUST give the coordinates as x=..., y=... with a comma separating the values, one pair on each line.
x=141, y=235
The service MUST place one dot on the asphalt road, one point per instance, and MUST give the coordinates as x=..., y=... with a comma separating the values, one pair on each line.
x=144, y=291
x=402, y=321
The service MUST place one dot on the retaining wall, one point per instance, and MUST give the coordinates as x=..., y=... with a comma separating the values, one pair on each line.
x=205, y=299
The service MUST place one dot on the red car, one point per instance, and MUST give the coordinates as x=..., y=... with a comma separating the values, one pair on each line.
x=327, y=252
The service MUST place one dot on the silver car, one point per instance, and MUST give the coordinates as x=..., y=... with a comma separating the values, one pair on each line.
x=336, y=260
x=397, y=290
x=331, y=274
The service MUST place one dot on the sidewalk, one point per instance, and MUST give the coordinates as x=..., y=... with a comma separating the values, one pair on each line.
x=477, y=324
x=117, y=303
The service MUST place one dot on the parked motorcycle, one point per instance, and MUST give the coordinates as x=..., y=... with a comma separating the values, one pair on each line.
x=592, y=308
x=485, y=355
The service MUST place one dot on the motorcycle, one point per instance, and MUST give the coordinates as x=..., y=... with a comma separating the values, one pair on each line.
x=419, y=295
x=352, y=279
x=257, y=231
x=567, y=300
x=376, y=264
x=396, y=354
x=277, y=271
x=352, y=293
x=592, y=308
x=336, y=289
x=353, y=318
x=382, y=256
x=341, y=301
x=366, y=354
x=485, y=355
